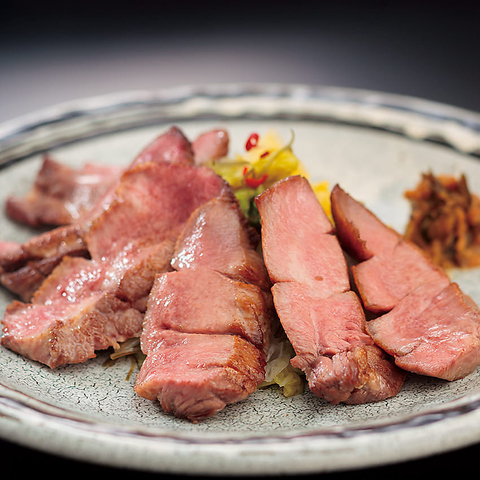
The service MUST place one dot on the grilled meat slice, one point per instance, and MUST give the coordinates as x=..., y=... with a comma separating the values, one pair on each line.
x=322, y=317
x=431, y=327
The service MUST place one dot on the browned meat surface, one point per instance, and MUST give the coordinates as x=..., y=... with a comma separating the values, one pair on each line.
x=77, y=310
x=322, y=318
x=170, y=147
x=210, y=146
x=204, y=301
x=207, y=325
x=11, y=255
x=432, y=332
x=61, y=194
x=389, y=267
x=136, y=282
x=431, y=327
x=291, y=247
x=37, y=257
x=28, y=279
x=71, y=316
x=380, y=375
x=152, y=199
x=445, y=220
x=218, y=236
x=48, y=245
x=69, y=332
x=196, y=375
x=340, y=360
x=90, y=304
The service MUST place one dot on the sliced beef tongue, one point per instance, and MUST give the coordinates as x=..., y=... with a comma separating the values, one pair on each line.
x=152, y=199
x=61, y=194
x=295, y=229
x=171, y=147
x=197, y=375
x=90, y=304
x=321, y=316
x=217, y=236
x=389, y=267
x=430, y=326
x=11, y=255
x=64, y=333
x=207, y=326
x=24, y=269
x=210, y=146
x=205, y=301
x=145, y=263
x=70, y=317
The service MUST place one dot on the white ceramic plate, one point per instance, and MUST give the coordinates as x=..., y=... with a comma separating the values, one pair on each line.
x=375, y=146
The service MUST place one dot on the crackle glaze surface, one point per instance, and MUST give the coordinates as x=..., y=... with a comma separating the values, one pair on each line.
x=375, y=147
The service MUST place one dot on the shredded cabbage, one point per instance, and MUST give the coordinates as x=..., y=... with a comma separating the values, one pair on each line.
x=279, y=370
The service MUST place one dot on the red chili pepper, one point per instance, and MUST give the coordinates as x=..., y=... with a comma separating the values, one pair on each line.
x=264, y=154
x=245, y=170
x=252, y=141
x=255, y=182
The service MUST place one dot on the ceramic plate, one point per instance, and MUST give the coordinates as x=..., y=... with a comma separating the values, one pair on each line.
x=375, y=146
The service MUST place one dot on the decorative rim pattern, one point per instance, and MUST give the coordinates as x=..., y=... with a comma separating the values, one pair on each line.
x=17, y=401
x=97, y=116
x=414, y=118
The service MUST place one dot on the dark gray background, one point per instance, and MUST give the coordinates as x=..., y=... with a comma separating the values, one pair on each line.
x=52, y=51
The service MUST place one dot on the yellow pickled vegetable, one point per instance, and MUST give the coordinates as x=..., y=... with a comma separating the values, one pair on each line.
x=322, y=192
x=266, y=160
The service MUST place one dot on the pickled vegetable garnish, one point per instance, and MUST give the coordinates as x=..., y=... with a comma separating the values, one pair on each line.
x=267, y=159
